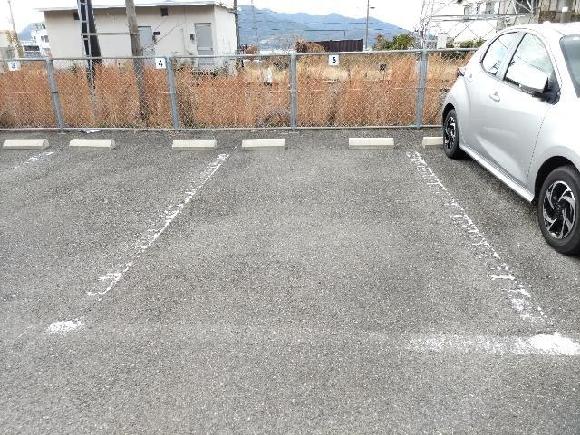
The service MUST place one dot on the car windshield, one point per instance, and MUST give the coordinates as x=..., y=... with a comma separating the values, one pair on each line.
x=571, y=48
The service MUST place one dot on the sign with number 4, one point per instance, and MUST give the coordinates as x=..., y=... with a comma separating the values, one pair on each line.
x=334, y=60
x=160, y=63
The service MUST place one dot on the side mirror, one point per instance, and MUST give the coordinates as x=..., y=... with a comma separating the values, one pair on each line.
x=529, y=79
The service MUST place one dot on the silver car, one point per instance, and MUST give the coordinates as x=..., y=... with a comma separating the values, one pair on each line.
x=514, y=109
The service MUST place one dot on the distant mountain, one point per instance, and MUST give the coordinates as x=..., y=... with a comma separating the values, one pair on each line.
x=276, y=30
x=26, y=33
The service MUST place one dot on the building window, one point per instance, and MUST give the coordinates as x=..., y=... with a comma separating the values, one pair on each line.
x=44, y=38
x=76, y=16
x=164, y=12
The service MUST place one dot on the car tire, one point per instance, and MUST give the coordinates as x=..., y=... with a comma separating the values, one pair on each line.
x=558, y=207
x=451, y=136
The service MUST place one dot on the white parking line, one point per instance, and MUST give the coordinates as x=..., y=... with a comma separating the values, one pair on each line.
x=518, y=293
x=110, y=280
x=541, y=344
x=37, y=158
x=64, y=327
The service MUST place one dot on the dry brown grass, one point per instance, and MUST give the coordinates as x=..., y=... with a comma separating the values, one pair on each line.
x=75, y=99
x=240, y=99
x=114, y=101
x=440, y=77
x=363, y=91
x=25, y=99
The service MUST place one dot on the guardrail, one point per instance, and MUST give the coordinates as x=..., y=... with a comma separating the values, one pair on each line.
x=293, y=91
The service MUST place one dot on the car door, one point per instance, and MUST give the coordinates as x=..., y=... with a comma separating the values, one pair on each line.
x=513, y=117
x=483, y=80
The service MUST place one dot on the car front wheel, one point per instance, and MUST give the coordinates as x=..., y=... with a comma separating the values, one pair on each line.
x=451, y=136
x=558, y=207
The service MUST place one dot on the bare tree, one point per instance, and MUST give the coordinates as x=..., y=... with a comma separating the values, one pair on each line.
x=237, y=15
x=137, y=53
x=15, y=40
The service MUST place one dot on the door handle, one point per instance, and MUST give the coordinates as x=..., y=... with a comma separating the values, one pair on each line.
x=494, y=96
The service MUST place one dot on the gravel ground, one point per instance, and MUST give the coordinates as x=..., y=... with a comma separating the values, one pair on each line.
x=307, y=289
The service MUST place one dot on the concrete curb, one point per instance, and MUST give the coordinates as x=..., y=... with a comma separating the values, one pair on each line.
x=263, y=144
x=25, y=144
x=371, y=143
x=193, y=145
x=432, y=142
x=93, y=143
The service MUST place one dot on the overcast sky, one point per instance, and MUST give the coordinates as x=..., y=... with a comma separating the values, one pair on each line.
x=404, y=14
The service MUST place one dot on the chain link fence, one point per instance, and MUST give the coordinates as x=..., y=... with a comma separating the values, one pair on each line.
x=112, y=93
x=357, y=90
x=231, y=92
x=441, y=74
x=379, y=89
x=25, y=96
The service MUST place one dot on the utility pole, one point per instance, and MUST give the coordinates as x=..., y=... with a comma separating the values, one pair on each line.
x=255, y=27
x=137, y=53
x=566, y=12
x=367, y=31
x=136, y=49
x=18, y=45
x=237, y=15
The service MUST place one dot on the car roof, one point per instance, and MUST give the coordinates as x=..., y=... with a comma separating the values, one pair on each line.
x=551, y=29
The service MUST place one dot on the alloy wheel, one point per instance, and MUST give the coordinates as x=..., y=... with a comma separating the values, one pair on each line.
x=450, y=133
x=559, y=210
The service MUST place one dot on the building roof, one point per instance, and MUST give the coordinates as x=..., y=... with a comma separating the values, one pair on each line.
x=108, y=4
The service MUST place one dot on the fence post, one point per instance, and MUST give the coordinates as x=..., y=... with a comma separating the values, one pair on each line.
x=420, y=102
x=293, y=92
x=56, y=106
x=172, y=93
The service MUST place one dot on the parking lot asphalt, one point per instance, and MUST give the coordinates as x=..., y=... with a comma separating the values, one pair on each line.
x=309, y=289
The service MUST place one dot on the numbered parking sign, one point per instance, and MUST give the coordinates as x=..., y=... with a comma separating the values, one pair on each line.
x=14, y=65
x=160, y=63
x=334, y=60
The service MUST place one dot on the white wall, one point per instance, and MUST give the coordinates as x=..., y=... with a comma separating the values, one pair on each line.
x=4, y=42
x=225, y=31
x=64, y=34
x=175, y=30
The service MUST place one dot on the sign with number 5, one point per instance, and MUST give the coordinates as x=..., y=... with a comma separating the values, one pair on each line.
x=334, y=60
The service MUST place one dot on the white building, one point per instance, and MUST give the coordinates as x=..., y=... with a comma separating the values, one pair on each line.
x=458, y=21
x=40, y=37
x=6, y=49
x=167, y=28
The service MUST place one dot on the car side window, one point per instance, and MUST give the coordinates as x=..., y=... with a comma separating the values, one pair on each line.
x=531, y=53
x=497, y=52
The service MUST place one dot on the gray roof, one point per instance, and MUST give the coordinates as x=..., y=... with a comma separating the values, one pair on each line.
x=107, y=4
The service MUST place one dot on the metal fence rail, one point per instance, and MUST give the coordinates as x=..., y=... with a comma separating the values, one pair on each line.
x=343, y=90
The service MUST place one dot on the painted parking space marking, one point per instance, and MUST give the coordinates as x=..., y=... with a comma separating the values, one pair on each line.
x=540, y=344
x=109, y=280
x=37, y=158
x=517, y=292
x=64, y=327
